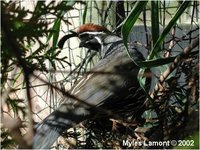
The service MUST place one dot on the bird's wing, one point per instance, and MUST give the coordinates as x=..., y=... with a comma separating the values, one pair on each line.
x=93, y=88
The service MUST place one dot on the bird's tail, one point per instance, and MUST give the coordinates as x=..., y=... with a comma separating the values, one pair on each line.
x=48, y=131
x=45, y=136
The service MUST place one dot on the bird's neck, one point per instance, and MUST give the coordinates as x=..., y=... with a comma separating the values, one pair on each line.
x=109, y=43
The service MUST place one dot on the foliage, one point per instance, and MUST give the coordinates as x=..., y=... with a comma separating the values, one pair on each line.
x=25, y=49
x=169, y=99
x=29, y=49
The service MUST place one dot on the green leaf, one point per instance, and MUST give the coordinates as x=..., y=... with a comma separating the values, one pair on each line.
x=156, y=62
x=161, y=61
x=166, y=31
x=56, y=28
x=17, y=105
x=158, y=43
x=38, y=10
x=130, y=21
x=85, y=12
x=154, y=21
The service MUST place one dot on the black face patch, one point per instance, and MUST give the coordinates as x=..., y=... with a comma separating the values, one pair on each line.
x=89, y=41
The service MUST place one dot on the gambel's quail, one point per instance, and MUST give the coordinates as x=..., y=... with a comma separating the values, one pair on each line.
x=110, y=86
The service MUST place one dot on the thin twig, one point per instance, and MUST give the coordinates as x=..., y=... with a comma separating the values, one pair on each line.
x=164, y=76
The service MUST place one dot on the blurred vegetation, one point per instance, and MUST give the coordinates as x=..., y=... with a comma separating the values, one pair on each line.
x=29, y=49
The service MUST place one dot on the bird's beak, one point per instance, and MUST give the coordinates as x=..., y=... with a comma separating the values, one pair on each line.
x=65, y=38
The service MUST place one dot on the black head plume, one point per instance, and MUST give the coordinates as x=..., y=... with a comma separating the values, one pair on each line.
x=65, y=38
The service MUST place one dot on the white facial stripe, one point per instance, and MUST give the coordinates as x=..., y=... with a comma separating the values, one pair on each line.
x=93, y=33
x=100, y=42
x=98, y=39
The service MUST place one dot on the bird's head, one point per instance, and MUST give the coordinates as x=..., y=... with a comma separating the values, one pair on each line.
x=91, y=36
x=100, y=39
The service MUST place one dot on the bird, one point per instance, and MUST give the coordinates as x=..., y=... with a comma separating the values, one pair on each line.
x=110, y=88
